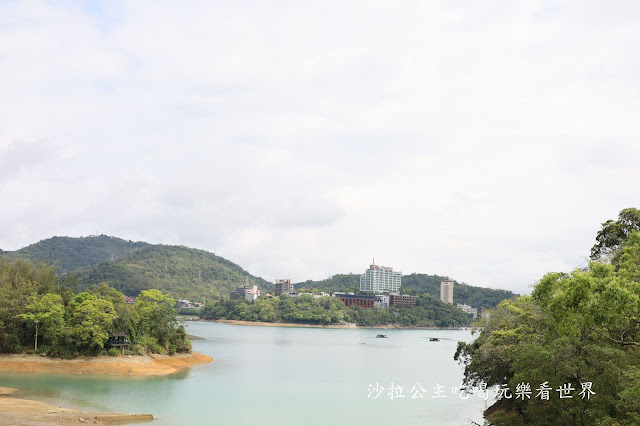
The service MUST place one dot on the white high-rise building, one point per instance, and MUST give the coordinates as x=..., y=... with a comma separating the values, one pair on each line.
x=380, y=278
x=446, y=290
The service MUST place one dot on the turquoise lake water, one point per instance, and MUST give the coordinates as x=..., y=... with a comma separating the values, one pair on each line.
x=287, y=376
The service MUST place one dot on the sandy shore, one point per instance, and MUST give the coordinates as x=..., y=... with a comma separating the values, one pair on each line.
x=349, y=325
x=17, y=411
x=125, y=365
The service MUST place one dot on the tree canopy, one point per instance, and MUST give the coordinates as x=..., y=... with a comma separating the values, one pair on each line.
x=42, y=311
x=429, y=312
x=575, y=329
x=613, y=234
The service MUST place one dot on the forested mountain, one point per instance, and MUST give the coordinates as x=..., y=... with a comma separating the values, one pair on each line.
x=69, y=254
x=418, y=284
x=183, y=272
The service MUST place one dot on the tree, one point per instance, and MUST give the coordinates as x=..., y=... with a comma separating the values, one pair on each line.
x=613, y=234
x=46, y=311
x=157, y=315
x=91, y=321
x=575, y=328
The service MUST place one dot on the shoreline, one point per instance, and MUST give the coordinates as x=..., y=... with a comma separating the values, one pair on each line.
x=349, y=326
x=122, y=365
x=19, y=411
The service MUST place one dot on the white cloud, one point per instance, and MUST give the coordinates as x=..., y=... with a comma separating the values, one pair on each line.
x=485, y=141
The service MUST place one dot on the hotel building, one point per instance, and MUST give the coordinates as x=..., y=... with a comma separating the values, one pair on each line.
x=380, y=278
x=446, y=290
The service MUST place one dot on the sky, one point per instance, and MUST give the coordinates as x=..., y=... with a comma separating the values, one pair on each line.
x=486, y=141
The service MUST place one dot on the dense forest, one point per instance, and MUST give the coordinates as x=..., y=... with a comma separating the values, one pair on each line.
x=577, y=331
x=183, y=272
x=305, y=309
x=479, y=297
x=39, y=310
x=69, y=254
x=131, y=267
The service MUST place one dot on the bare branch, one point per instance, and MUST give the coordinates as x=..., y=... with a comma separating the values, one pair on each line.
x=619, y=342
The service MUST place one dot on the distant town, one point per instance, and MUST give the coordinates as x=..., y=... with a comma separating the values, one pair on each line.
x=380, y=286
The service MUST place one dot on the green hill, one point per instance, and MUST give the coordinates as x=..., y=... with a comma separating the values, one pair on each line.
x=183, y=272
x=69, y=254
x=478, y=297
x=338, y=282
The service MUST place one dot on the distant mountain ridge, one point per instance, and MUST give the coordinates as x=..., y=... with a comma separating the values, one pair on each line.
x=69, y=253
x=131, y=267
x=184, y=272
x=188, y=273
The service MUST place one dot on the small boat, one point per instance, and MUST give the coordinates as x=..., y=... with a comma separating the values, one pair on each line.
x=434, y=339
x=381, y=336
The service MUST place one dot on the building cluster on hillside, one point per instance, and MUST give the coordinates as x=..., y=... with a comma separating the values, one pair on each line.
x=468, y=309
x=380, y=284
x=245, y=292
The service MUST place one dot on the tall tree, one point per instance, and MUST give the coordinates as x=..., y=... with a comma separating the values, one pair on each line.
x=576, y=328
x=157, y=314
x=46, y=312
x=91, y=320
x=613, y=234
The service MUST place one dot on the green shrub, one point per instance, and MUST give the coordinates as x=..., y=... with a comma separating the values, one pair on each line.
x=137, y=350
x=151, y=344
x=113, y=352
x=178, y=341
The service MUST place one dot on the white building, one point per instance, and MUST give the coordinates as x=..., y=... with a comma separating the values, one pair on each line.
x=446, y=290
x=382, y=300
x=251, y=294
x=380, y=278
x=468, y=309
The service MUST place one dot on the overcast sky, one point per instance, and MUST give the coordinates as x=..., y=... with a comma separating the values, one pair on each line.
x=484, y=140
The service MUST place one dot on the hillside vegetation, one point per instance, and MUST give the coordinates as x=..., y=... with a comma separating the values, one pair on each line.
x=183, y=272
x=418, y=284
x=69, y=254
x=305, y=309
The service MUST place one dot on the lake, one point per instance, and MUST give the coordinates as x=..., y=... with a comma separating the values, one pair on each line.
x=287, y=375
